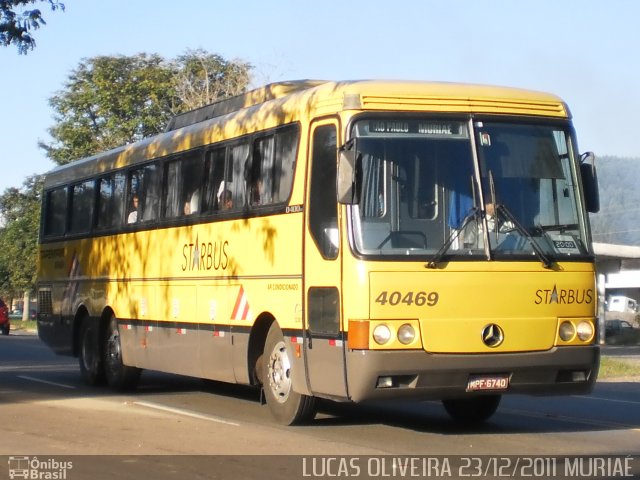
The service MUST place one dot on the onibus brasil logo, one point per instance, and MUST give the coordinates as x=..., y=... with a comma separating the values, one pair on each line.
x=33, y=468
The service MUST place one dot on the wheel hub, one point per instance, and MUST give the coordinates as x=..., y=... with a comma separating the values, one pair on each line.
x=113, y=348
x=280, y=372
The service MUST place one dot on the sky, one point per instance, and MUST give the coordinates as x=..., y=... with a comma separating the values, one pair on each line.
x=585, y=51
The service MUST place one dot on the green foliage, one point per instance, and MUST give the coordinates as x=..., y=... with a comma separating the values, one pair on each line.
x=614, y=368
x=107, y=102
x=16, y=28
x=110, y=101
x=20, y=209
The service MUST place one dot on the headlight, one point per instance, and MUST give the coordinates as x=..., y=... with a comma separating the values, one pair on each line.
x=585, y=331
x=381, y=334
x=406, y=334
x=567, y=331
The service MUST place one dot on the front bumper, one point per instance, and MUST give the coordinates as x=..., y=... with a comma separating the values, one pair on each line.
x=422, y=375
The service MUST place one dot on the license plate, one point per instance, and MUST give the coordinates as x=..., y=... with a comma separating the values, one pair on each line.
x=487, y=382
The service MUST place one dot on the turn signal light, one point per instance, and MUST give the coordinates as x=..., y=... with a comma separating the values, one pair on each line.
x=359, y=334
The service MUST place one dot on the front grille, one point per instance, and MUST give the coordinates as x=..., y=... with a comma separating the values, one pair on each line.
x=45, y=305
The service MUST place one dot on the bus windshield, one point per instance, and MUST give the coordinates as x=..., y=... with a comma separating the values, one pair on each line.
x=456, y=188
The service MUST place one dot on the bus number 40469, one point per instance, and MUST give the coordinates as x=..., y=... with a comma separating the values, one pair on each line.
x=420, y=299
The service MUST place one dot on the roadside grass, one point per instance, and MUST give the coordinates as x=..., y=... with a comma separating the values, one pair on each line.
x=611, y=368
x=23, y=325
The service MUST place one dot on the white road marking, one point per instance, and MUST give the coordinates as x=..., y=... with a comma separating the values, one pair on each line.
x=566, y=418
x=186, y=413
x=38, y=368
x=33, y=379
x=614, y=400
x=590, y=397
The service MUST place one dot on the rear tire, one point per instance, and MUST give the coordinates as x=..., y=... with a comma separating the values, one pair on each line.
x=90, y=355
x=287, y=406
x=119, y=376
x=472, y=410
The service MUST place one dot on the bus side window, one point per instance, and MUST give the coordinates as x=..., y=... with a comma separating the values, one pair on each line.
x=144, y=194
x=133, y=202
x=183, y=184
x=260, y=172
x=269, y=175
x=323, y=203
x=286, y=149
x=55, y=212
x=172, y=204
x=239, y=155
x=110, y=200
x=81, y=207
x=215, y=182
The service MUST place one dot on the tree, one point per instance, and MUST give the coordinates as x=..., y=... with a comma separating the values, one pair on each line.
x=109, y=101
x=20, y=209
x=114, y=100
x=16, y=28
x=202, y=78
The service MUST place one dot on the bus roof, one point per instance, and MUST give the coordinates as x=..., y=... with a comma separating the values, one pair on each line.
x=316, y=98
x=369, y=94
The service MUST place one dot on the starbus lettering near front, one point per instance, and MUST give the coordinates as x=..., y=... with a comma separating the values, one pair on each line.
x=569, y=296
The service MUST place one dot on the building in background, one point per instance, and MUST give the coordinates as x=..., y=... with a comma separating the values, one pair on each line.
x=618, y=269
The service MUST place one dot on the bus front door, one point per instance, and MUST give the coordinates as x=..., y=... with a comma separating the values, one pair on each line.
x=324, y=339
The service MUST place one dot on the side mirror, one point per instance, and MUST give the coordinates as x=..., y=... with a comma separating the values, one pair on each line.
x=590, y=182
x=347, y=175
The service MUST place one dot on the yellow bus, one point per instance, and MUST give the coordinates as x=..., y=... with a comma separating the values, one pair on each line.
x=351, y=241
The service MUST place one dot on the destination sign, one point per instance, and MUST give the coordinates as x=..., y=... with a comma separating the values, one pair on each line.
x=426, y=128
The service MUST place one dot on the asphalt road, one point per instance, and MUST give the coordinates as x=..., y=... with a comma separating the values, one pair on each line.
x=47, y=411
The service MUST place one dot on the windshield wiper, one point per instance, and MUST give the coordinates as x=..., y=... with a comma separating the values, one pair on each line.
x=544, y=230
x=546, y=261
x=562, y=227
x=455, y=233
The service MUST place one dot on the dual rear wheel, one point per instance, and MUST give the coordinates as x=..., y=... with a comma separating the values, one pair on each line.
x=100, y=356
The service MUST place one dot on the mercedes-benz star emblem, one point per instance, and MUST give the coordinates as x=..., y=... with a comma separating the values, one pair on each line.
x=492, y=335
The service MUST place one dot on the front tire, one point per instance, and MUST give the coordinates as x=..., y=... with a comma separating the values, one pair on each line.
x=90, y=355
x=472, y=410
x=287, y=406
x=119, y=376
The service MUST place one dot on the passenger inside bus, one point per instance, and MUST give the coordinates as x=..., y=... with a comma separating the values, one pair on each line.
x=133, y=213
x=191, y=206
x=226, y=201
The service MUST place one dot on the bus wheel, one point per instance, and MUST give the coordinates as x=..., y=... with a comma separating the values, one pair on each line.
x=472, y=410
x=119, y=376
x=90, y=358
x=286, y=405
